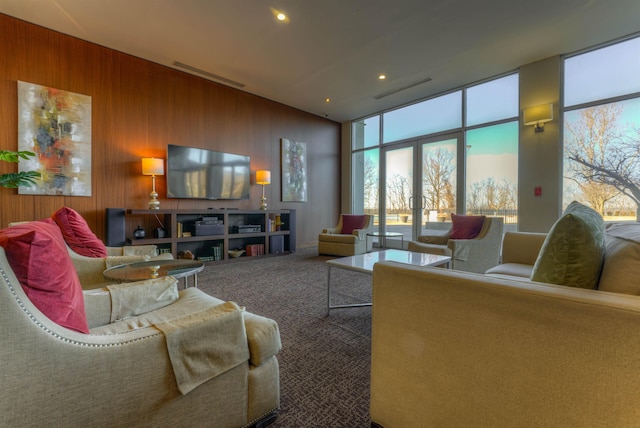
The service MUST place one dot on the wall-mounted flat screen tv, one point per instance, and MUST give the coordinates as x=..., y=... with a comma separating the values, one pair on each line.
x=206, y=174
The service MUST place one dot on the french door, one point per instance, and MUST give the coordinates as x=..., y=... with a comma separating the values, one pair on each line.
x=419, y=186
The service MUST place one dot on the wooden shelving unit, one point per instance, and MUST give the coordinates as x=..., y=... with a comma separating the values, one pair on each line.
x=231, y=238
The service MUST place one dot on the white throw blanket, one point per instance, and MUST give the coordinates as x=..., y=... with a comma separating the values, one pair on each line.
x=205, y=344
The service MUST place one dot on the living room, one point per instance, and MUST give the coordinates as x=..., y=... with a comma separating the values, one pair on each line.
x=139, y=107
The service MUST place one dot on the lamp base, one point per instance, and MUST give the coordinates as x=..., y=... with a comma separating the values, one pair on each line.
x=154, y=203
x=263, y=203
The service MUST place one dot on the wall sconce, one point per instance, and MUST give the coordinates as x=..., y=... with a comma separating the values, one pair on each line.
x=538, y=116
x=153, y=167
x=263, y=178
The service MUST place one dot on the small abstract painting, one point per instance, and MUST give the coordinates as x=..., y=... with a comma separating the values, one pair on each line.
x=294, y=171
x=56, y=126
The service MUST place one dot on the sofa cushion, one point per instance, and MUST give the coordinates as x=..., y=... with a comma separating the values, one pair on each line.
x=77, y=234
x=511, y=269
x=466, y=226
x=337, y=239
x=621, y=268
x=39, y=258
x=573, y=251
x=350, y=222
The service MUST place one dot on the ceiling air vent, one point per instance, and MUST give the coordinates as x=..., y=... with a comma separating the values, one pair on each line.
x=402, y=88
x=210, y=75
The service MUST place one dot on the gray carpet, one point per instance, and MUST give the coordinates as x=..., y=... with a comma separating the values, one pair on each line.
x=325, y=360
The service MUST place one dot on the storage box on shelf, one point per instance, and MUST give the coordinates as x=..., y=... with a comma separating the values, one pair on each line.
x=208, y=234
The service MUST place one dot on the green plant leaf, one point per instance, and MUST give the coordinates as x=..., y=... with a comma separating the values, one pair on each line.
x=22, y=178
x=11, y=156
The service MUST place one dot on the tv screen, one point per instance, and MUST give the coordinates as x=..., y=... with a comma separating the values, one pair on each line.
x=206, y=174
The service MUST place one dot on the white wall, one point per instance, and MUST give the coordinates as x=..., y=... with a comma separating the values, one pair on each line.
x=540, y=154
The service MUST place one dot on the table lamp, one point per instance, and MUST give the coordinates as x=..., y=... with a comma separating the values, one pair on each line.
x=153, y=167
x=263, y=177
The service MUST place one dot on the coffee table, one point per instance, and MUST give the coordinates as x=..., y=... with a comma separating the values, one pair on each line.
x=364, y=263
x=153, y=269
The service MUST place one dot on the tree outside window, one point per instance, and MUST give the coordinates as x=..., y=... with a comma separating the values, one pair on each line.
x=602, y=159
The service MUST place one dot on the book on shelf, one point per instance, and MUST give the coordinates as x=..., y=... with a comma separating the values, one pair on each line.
x=254, y=249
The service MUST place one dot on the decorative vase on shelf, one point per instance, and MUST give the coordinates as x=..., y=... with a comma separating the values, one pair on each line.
x=139, y=233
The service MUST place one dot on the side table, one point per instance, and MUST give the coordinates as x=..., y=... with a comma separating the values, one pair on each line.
x=179, y=268
x=382, y=238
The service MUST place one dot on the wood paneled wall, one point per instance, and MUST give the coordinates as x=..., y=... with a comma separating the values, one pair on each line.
x=138, y=107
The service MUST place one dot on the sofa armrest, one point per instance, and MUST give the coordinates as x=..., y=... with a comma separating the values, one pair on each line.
x=263, y=337
x=332, y=230
x=97, y=306
x=361, y=234
x=434, y=239
x=522, y=247
x=420, y=247
x=90, y=270
x=475, y=255
x=133, y=250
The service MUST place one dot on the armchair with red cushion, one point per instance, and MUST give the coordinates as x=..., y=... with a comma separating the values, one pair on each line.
x=348, y=238
x=473, y=242
x=133, y=354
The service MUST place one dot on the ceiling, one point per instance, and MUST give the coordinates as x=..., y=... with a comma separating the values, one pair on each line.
x=337, y=48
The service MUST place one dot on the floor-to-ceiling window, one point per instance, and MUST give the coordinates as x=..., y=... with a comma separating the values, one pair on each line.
x=602, y=130
x=492, y=149
x=415, y=165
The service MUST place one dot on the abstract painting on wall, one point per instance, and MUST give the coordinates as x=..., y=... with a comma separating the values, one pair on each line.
x=294, y=171
x=56, y=126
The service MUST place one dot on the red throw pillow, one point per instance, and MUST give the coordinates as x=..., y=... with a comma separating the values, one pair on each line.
x=77, y=234
x=466, y=226
x=39, y=258
x=351, y=222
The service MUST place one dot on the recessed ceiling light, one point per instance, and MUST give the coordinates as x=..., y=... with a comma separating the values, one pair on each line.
x=382, y=77
x=327, y=100
x=278, y=15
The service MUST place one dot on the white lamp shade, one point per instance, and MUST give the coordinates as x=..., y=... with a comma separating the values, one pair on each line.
x=538, y=114
x=152, y=166
x=263, y=177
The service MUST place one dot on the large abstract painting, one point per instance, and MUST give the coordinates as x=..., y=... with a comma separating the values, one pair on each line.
x=56, y=126
x=294, y=171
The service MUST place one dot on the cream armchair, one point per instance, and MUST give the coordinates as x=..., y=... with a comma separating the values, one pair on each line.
x=126, y=373
x=345, y=240
x=471, y=255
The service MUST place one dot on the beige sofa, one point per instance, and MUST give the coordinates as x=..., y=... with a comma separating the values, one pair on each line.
x=124, y=372
x=452, y=348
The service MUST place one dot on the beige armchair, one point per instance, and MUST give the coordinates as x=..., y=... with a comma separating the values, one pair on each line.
x=127, y=372
x=471, y=255
x=348, y=238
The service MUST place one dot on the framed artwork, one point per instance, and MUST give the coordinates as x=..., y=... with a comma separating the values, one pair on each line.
x=56, y=126
x=294, y=171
